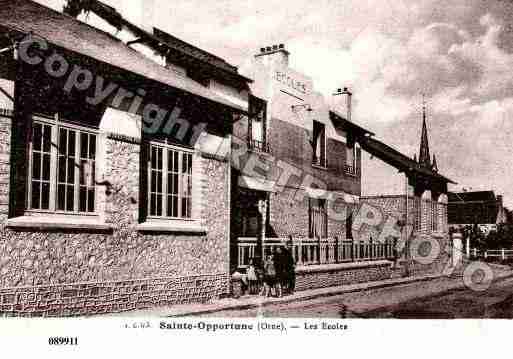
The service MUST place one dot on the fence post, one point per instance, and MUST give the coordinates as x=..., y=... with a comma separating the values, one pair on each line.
x=486, y=254
x=475, y=252
x=503, y=256
x=336, y=249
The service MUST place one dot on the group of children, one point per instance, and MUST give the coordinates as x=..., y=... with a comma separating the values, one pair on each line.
x=276, y=274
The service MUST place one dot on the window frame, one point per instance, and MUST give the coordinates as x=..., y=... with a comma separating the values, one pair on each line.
x=56, y=123
x=166, y=147
x=321, y=209
x=322, y=161
x=257, y=109
x=435, y=216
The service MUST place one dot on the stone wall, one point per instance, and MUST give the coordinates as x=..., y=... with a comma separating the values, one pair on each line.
x=97, y=271
x=341, y=274
x=429, y=249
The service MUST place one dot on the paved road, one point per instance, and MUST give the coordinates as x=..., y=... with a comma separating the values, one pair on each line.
x=436, y=299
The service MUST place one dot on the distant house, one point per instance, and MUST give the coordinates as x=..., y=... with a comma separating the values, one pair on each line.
x=482, y=208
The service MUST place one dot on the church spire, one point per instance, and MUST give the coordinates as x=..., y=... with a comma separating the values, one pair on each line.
x=424, y=157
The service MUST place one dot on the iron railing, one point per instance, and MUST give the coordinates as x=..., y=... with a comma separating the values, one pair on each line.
x=259, y=146
x=314, y=251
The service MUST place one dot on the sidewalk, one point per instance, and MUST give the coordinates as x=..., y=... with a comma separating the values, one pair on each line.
x=255, y=301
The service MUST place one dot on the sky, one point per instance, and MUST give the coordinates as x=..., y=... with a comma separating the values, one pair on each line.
x=458, y=53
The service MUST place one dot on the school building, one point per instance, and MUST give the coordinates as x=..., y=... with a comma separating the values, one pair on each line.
x=138, y=170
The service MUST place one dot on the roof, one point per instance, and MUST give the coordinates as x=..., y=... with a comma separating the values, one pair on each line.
x=479, y=207
x=193, y=51
x=335, y=116
x=159, y=37
x=397, y=159
x=476, y=196
x=25, y=16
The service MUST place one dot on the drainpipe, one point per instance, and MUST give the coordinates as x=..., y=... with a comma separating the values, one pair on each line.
x=406, y=239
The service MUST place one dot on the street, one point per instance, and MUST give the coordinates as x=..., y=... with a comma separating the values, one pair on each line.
x=443, y=298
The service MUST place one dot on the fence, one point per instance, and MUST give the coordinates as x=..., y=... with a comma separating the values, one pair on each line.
x=503, y=254
x=311, y=251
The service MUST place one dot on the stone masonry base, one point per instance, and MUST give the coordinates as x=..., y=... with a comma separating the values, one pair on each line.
x=339, y=274
x=107, y=297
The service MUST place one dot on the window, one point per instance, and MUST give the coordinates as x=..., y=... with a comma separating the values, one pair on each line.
x=350, y=167
x=257, y=124
x=62, y=168
x=170, y=182
x=349, y=225
x=318, y=218
x=434, y=216
x=319, y=143
x=417, y=213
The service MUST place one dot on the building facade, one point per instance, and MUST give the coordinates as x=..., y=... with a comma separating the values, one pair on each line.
x=298, y=178
x=110, y=205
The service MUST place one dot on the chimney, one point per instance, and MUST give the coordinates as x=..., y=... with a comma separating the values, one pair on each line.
x=344, y=101
x=275, y=54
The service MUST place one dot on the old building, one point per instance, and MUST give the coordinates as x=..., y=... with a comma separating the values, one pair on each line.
x=115, y=171
x=422, y=206
x=299, y=174
x=482, y=208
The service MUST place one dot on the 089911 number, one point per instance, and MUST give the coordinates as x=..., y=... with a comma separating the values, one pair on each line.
x=63, y=341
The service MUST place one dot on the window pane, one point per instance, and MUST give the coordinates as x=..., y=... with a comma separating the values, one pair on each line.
x=159, y=205
x=159, y=158
x=153, y=181
x=46, y=167
x=175, y=161
x=175, y=206
x=92, y=147
x=71, y=143
x=71, y=170
x=175, y=184
x=47, y=138
x=61, y=197
x=83, y=200
x=84, y=142
x=153, y=157
x=184, y=207
x=37, y=135
x=45, y=196
x=36, y=195
x=36, y=166
x=153, y=201
x=159, y=182
x=90, y=200
x=62, y=141
x=62, y=169
x=70, y=198
x=169, y=209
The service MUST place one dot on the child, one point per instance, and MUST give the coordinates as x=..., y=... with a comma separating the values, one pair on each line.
x=269, y=275
x=252, y=277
